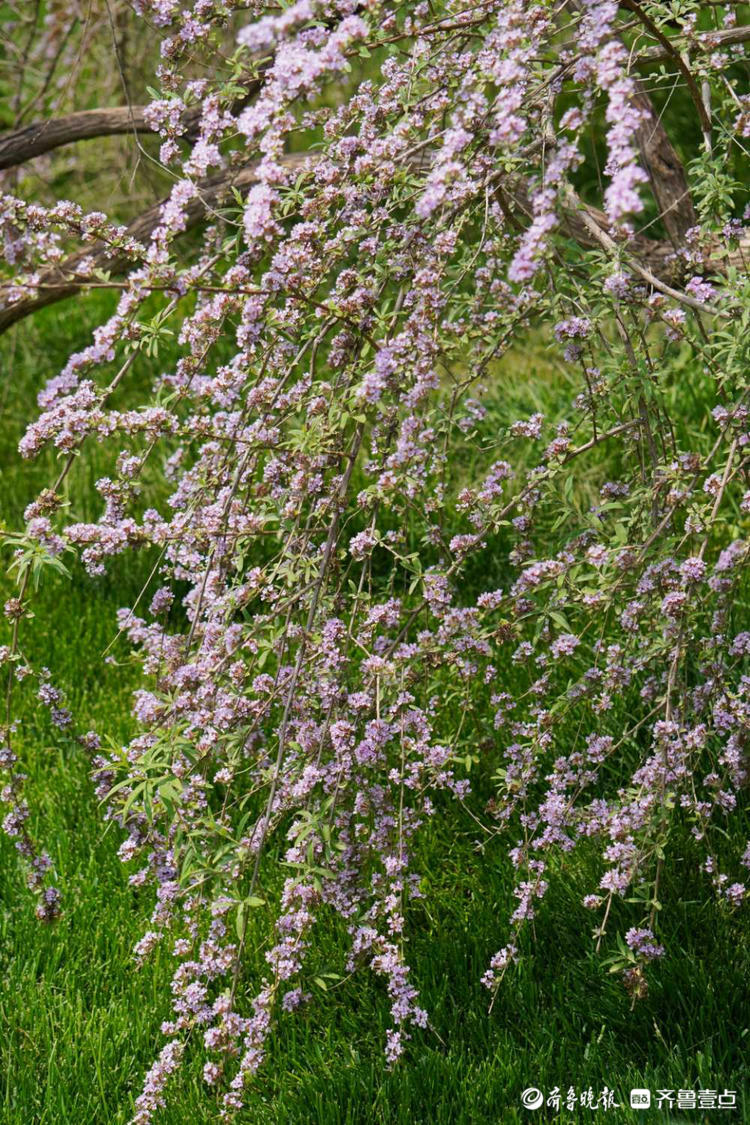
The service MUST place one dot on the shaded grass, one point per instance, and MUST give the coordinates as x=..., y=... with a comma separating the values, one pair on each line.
x=80, y=1024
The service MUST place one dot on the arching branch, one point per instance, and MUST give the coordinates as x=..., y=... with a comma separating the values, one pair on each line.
x=33, y=140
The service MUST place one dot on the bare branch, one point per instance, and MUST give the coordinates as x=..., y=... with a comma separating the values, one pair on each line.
x=708, y=41
x=33, y=140
x=666, y=173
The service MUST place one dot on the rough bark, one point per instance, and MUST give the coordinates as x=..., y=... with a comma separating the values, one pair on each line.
x=39, y=137
x=665, y=171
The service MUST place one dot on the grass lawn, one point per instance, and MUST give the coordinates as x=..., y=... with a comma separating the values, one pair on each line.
x=79, y=1024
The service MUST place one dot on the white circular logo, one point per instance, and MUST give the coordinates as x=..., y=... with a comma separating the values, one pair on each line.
x=532, y=1098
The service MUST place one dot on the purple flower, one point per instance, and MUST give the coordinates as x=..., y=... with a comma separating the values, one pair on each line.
x=643, y=944
x=564, y=645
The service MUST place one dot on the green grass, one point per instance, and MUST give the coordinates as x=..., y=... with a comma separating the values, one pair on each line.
x=79, y=1023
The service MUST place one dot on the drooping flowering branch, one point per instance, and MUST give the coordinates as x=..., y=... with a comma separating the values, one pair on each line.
x=325, y=648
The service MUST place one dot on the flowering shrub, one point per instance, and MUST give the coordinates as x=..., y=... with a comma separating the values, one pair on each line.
x=396, y=197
